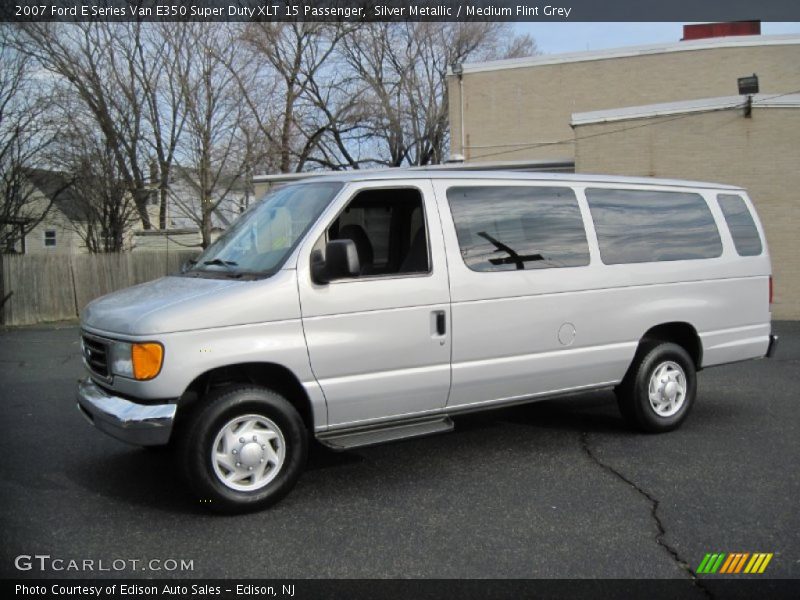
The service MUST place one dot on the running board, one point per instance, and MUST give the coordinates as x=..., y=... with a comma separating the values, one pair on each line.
x=388, y=433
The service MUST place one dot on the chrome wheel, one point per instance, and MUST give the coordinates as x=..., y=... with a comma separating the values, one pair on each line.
x=248, y=453
x=667, y=389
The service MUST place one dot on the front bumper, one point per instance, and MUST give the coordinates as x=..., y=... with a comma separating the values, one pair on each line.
x=140, y=424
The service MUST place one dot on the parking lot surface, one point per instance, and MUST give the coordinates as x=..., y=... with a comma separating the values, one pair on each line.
x=553, y=489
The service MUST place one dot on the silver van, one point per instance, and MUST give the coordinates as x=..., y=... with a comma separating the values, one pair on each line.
x=360, y=309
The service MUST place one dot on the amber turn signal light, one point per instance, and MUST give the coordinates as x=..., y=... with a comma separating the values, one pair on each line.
x=146, y=359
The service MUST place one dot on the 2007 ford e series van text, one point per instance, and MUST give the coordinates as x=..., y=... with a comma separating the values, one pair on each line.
x=364, y=308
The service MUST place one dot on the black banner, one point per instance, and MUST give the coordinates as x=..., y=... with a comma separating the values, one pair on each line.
x=407, y=589
x=400, y=10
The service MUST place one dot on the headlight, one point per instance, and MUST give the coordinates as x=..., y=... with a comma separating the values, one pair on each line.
x=140, y=361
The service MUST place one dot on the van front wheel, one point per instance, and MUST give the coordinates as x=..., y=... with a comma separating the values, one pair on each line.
x=659, y=389
x=243, y=449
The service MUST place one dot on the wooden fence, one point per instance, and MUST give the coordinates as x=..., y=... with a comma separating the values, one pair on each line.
x=40, y=288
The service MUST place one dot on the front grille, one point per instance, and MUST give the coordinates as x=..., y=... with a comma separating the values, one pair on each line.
x=95, y=353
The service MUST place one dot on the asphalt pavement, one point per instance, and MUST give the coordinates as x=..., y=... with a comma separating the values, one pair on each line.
x=554, y=489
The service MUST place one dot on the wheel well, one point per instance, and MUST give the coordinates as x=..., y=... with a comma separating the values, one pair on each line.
x=269, y=375
x=679, y=333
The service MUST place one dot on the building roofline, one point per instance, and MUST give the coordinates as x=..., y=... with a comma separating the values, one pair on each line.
x=646, y=111
x=739, y=41
x=401, y=174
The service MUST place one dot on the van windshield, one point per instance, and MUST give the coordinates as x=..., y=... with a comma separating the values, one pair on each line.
x=262, y=238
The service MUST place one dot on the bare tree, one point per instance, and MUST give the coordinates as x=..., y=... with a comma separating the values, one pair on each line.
x=344, y=96
x=404, y=67
x=118, y=72
x=101, y=204
x=156, y=58
x=25, y=136
x=213, y=103
x=296, y=57
x=332, y=130
x=217, y=148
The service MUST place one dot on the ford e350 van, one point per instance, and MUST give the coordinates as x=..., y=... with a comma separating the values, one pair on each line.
x=360, y=309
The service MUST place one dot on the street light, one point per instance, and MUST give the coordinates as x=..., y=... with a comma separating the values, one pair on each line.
x=748, y=86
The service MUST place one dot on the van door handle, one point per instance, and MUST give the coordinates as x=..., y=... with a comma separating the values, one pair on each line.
x=441, y=322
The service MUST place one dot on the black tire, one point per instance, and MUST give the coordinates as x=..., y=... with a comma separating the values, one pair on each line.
x=210, y=417
x=633, y=394
x=163, y=449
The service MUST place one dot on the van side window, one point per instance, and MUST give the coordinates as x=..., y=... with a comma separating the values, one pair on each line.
x=741, y=225
x=507, y=228
x=636, y=226
x=388, y=229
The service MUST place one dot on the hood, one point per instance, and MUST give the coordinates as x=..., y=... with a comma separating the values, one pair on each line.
x=174, y=303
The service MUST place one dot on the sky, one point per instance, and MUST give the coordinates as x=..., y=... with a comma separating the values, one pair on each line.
x=555, y=38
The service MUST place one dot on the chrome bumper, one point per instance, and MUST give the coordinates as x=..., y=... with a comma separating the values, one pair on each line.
x=140, y=424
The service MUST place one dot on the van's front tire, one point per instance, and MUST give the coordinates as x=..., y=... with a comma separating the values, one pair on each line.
x=243, y=449
x=659, y=390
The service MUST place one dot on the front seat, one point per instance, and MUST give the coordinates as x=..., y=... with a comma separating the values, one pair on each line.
x=366, y=255
x=416, y=260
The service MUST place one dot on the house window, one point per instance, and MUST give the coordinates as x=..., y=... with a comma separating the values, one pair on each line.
x=50, y=238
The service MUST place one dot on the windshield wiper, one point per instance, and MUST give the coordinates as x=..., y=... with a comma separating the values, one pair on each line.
x=218, y=262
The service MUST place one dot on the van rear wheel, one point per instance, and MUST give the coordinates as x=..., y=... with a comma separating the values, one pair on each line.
x=244, y=449
x=659, y=389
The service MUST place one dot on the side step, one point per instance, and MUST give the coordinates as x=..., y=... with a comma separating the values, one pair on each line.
x=388, y=433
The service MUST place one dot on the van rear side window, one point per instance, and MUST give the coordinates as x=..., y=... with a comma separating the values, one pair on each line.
x=507, y=228
x=741, y=225
x=636, y=226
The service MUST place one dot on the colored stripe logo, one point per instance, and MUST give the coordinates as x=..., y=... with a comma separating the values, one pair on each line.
x=732, y=563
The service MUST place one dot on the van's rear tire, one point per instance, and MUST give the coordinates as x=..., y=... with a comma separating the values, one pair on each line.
x=659, y=390
x=243, y=449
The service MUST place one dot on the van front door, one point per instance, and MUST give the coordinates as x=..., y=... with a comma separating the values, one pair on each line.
x=379, y=342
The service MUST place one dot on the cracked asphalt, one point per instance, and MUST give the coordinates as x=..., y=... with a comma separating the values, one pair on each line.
x=557, y=489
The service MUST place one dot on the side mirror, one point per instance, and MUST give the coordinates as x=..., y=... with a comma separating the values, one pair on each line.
x=341, y=260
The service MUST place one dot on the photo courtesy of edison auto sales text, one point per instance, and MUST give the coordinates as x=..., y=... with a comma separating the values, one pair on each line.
x=126, y=589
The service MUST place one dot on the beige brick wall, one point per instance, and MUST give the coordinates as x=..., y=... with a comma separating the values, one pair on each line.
x=761, y=154
x=524, y=113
